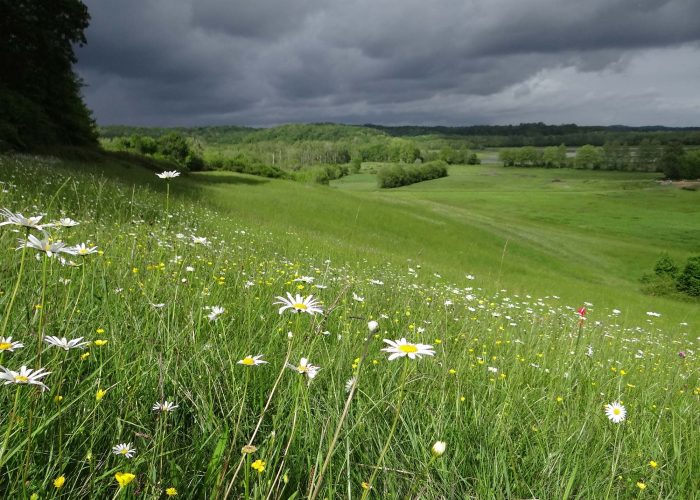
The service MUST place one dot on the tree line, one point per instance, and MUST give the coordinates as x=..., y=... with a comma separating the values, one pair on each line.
x=675, y=161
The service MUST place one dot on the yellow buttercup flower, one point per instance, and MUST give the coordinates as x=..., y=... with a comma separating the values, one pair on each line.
x=100, y=342
x=258, y=465
x=100, y=394
x=171, y=492
x=59, y=481
x=124, y=478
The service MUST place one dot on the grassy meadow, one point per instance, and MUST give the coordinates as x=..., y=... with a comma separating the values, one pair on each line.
x=174, y=301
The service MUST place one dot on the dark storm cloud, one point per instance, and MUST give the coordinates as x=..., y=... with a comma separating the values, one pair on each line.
x=391, y=61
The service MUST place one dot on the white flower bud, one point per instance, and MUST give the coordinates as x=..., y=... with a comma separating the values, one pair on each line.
x=438, y=448
x=373, y=326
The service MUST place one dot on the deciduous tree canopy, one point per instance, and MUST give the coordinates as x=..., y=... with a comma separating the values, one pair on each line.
x=40, y=102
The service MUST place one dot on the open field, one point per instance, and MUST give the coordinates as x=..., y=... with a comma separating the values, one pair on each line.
x=487, y=267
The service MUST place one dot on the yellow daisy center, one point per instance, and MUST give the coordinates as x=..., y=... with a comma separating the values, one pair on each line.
x=616, y=411
x=302, y=369
x=408, y=348
x=301, y=306
x=83, y=251
x=21, y=379
x=5, y=346
x=124, y=451
x=248, y=361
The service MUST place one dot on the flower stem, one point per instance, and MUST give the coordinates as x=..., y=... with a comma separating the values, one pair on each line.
x=8, y=309
x=614, y=464
x=399, y=403
x=10, y=420
x=40, y=335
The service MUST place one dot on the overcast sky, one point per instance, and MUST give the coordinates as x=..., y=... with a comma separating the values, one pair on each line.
x=427, y=62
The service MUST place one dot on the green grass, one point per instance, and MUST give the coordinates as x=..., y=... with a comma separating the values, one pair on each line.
x=531, y=427
x=588, y=237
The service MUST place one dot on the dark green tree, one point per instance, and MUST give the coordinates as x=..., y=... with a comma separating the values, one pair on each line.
x=40, y=101
x=689, y=280
x=588, y=156
x=671, y=160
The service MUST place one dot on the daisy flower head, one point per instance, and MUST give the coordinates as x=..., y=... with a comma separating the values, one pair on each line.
x=169, y=174
x=66, y=344
x=350, y=383
x=124, y=449
x=615, y=412
x=298, y=303
x=401, y=348
x=82, y=249
x=252, y=360
x=66, y=222
x=6, y=344
x=215, y=312
x=50, y=248
x=24, y=376
x=165, y=407
x=372, y=326
x=305, y=368
x=17, y=219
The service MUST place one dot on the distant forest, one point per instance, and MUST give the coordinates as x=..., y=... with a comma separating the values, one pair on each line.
x=477, y=136
x=291, y=150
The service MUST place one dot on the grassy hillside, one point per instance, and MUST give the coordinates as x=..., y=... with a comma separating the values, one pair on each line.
x=587, y=236
x=482, y=272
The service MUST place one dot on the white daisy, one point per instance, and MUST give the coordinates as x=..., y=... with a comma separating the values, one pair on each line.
x=165, y=407
x=305, y=279
x=351, y=382
x=169, y=174
x=66, y=344
x=305, y=368
x=6, y=344
x=124, y=449
x=372, y=326
x=17, y=219
x=24, y=376
x=215, y=312
x=200, y=240
x=83, y=249
x=51, y=248
x=401, y=348
x=252, y=360
x=615, y=412
x=357, y=298
x=298, y=303
x=66, y=222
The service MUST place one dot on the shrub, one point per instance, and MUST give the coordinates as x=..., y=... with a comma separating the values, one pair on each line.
x=395, y=175
x=665, y=266
x=688, y=281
